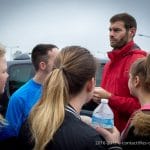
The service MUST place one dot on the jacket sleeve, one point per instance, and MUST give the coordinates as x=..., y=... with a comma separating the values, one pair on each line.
x=14, y=114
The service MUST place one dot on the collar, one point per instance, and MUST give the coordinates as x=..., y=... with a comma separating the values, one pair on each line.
x=115, y=54
x=70, y=109
x=145, y=107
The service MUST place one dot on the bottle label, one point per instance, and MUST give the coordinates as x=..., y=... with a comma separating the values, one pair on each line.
x=105, y=123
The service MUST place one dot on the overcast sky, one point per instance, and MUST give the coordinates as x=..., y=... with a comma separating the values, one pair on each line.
x=25, y=23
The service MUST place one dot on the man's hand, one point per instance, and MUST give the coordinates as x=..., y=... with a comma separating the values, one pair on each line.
x=100, y=93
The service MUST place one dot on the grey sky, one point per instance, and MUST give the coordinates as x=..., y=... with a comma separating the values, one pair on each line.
x=25, y=23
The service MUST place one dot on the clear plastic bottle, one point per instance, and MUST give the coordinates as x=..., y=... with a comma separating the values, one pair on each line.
x=103, y=115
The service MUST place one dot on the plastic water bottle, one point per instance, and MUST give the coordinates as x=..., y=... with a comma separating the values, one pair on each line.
x=103, y=115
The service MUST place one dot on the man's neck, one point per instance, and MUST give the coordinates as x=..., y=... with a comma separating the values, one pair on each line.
x=39, y=78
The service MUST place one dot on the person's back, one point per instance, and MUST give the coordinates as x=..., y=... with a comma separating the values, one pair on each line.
x=76, y=134
x=24, y=98
x=114, y=85
x=21, y=103
x=73, y=134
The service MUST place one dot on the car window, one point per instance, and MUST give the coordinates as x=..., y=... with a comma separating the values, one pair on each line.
x=99, y=74
x=18, y=75
x=100, y=65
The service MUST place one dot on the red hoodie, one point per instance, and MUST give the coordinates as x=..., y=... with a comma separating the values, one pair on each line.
x=115, y=80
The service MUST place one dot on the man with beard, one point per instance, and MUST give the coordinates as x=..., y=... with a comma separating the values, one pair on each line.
x=114, y=85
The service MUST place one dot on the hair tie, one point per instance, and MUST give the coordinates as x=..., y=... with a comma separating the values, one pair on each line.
x=62, y=67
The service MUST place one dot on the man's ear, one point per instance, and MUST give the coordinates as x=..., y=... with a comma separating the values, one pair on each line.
x=42, y=65
x=90, y=85
x=132, y=31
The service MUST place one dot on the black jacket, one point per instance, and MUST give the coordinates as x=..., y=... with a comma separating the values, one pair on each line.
x=73, y=134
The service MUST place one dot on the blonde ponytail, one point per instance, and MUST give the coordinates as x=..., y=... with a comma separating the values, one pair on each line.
x=50, y=114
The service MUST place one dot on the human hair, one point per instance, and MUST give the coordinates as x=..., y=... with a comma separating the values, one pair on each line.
x=40, y=53
x=129, y=21
x=2, y=53
x=2, y=50
x=3, y=122
x=74, y=66
x=141, y=68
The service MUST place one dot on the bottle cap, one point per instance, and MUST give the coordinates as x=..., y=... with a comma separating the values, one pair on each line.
x=104, y=101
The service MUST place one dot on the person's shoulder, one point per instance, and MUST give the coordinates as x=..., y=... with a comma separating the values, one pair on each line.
x=135, y=55
x=73, y=123
x=137, y=52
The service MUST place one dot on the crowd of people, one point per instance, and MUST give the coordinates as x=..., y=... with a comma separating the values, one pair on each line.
x=45, y=112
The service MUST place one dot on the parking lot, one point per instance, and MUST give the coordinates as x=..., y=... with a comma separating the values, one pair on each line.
x=21, y=70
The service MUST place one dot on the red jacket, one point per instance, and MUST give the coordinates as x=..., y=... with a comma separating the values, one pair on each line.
x=115, y=80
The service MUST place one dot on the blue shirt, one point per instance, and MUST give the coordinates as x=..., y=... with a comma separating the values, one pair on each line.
x=20, y=105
